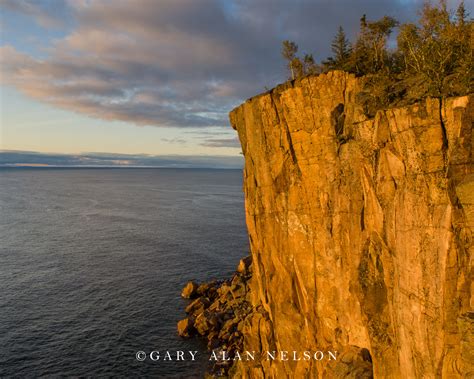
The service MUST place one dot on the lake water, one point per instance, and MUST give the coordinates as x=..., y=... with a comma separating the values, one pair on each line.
x=92, y=262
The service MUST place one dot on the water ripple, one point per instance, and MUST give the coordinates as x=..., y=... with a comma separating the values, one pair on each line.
x=92, y=263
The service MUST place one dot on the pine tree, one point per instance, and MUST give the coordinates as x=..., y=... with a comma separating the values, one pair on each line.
x=340, y=47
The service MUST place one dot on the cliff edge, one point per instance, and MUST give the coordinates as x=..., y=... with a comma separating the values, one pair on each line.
x=361, y=232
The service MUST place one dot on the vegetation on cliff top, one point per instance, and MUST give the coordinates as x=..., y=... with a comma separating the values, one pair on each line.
x=433, y=57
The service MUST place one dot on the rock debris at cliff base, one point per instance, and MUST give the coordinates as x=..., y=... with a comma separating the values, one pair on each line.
x=216, y=313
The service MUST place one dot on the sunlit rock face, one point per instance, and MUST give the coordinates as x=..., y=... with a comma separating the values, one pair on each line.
x=361, y=232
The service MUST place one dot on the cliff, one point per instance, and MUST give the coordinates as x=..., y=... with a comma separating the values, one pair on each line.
x=360, y=232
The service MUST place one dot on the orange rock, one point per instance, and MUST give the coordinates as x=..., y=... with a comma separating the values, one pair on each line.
x=360, y=229
x=189, y=290
x=244, y=265
x=186, y=328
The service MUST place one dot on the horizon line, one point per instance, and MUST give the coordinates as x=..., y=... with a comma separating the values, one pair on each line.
x=32, y=159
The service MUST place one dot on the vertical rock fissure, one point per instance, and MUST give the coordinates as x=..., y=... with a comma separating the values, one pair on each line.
x=443, y=129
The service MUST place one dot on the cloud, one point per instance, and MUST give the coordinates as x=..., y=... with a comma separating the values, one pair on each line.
x=179, y=141
x=48, y=14
x=175, y=63
x=222, y=142
x=34, y=159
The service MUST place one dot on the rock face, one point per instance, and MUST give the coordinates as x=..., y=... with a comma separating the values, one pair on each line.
x=361, y=232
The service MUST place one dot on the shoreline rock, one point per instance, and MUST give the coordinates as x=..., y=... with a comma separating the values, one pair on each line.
x=216, y=312
x=190, y=290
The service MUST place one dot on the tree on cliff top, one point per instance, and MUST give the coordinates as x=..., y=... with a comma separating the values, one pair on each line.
x=288, y=51
x=341, y=49
x=370, y=53
x=298, y=67
x=433, y=57
x=439, y=50
x=310, y=66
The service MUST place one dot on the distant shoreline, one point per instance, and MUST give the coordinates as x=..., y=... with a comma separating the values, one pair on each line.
x=9, y=158
x=48, y=167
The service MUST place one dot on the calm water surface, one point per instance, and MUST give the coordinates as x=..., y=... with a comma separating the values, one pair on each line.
x=92, y=262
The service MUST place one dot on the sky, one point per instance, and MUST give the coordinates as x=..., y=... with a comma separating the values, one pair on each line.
x=154, y=77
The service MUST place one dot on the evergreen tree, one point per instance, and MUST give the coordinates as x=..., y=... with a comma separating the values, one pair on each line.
x=341, y=49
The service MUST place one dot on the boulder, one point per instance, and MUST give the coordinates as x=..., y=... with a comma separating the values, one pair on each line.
x=198, y=306
x=186, y=328
x=238, y=291
x=202, y=324
x=189, y=290
x=244, y=265
x=205, y=288
x=213, y=340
